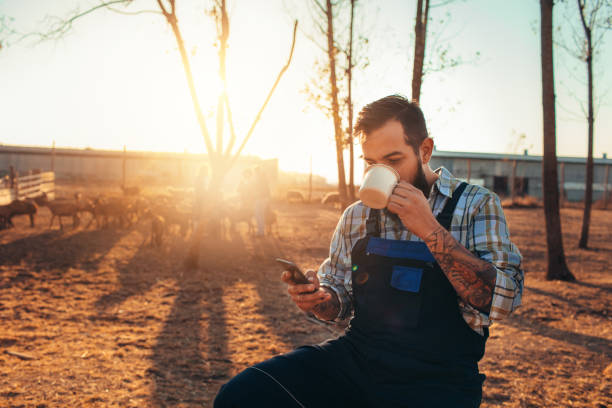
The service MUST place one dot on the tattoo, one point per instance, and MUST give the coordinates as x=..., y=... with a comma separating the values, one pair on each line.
x=472, y=278
x=329, y=309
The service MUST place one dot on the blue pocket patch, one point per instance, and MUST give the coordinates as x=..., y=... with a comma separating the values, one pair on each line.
x=406, y=278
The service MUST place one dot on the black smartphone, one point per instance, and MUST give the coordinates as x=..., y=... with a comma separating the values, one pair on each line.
x=296, y=274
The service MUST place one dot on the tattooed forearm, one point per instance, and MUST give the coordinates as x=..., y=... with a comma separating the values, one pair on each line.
x=472, y=278
x=329, y=309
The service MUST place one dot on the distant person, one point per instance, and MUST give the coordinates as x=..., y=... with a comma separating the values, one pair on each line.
x=200, y=195
x=261, y=195
x=245, y=189
x=423, y=279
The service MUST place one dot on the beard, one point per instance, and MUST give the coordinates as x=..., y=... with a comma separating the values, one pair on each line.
x=420, y=181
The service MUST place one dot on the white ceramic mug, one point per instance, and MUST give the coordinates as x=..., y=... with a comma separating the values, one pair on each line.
x=377, y=186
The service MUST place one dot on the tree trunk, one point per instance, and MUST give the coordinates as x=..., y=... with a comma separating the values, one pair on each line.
x=588, y=191
x=335, y=106
x=171, y=18
x=557, y=266
x=351, y=189
x=420, y=34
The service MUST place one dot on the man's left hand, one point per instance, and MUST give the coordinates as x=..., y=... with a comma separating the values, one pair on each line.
x=412, y=208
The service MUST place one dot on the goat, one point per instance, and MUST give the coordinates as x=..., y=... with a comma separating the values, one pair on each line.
x=294, y=196
x=130, y=191
x=4, y=216
x=271, y=220
x=86, y=206
x=17, y=207
x=332, y=198
x=137, y=209
x=173, y=216
x=158, y=228
x=62, y=208
x=110, y=207
x=238, y=215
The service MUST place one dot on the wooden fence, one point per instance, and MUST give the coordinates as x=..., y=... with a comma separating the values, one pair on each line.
x=30, y=186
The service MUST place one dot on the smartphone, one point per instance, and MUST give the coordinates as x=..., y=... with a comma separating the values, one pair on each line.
x=296, y=274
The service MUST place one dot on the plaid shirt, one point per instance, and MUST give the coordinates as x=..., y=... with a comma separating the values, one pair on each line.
x=478, y=224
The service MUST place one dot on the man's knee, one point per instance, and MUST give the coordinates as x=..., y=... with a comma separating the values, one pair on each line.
x=240, y=389
x=224, y=397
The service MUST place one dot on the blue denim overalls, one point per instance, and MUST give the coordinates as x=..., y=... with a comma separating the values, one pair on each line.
x=415, y=346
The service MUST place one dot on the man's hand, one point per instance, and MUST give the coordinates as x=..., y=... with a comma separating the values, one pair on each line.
x=306, y=296
x=412, y=208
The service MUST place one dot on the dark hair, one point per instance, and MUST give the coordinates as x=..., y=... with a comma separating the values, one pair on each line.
x=375, y=115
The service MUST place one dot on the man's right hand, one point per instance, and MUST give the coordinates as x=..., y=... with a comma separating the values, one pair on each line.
x=306, y=296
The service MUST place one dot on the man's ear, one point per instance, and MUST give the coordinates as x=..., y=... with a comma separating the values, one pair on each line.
x=426, y=150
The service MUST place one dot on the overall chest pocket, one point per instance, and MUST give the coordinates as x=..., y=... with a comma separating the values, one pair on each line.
x=406, y=278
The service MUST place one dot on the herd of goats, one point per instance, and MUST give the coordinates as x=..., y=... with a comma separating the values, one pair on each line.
x=163, y=211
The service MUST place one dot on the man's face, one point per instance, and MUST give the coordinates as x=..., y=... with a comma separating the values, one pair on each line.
x=387, y=145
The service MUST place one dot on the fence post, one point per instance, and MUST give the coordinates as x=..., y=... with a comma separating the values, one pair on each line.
x=53, y=156
x=310, y=182
x=605, y=202
x=123, y=169
x=513, y=182
x=562, y=181
x=469, y=169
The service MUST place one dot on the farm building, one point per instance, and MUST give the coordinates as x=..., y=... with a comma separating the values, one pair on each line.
x=126, y=167
x=496, y=172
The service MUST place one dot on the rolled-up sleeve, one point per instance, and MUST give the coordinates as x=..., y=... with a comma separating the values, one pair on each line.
x=335, y=271
x=491, y=242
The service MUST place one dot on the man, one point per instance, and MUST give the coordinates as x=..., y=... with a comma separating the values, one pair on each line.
x=423, y=278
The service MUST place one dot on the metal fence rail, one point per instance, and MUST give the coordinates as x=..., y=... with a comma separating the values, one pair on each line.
x=29, y=187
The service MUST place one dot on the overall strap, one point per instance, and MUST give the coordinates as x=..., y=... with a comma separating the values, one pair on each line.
x=446, y=215
x=373, y=223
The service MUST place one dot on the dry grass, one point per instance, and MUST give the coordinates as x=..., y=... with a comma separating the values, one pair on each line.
x=109, y=321
x=521, y=202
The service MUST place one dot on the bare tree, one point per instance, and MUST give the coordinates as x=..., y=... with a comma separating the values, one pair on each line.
x=594, y=22
x=420, y=35
x=339, y=136
x=222, y=155
x=421, y=65
x=557, y=266
x=320, y=89
x=324, y=89
x=349, y=105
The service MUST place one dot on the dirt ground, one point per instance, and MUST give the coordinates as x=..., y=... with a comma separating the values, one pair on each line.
x=98, y=318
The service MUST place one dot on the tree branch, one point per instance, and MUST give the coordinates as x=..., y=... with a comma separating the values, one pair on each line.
x=320, y=6
x=258, y=116
x=441, y=4
x=163, y=8
x=133, y=13
x=172, y=20
x=65, y=25
x=230, y=121
x=587, y=30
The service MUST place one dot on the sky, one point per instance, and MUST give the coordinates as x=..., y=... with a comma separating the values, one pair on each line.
x=117, y=80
